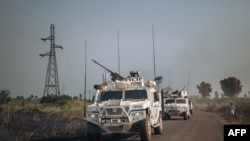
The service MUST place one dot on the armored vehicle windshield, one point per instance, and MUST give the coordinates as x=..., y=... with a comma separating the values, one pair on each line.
x=168, y=101
x=111, y=95
x=136, y=95
x=181, y=101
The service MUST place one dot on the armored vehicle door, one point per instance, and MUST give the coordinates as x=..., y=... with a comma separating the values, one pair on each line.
x=156, y=105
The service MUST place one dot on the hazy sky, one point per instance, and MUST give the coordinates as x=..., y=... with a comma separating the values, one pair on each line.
x=203, y=40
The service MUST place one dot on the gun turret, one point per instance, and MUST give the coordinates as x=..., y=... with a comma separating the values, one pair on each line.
x=114, y=75
x=178, y=93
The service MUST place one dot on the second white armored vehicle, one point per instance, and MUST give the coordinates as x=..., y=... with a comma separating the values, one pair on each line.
x=125, y=105
x=177, y=105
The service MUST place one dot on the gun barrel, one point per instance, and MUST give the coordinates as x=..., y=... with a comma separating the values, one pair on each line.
x=113, y=74
x=102, y=66
x=94, y=61
x=183, y=88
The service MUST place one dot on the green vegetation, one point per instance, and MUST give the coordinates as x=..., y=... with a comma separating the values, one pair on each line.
x=60, y=106
x=204, y=89
x=231, y=86
x=222, y=107
x=60, y=100
x=33, y=119
x=4, y=96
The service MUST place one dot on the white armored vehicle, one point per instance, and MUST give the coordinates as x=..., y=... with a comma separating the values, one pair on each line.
x=177, y=105
x=125, y=105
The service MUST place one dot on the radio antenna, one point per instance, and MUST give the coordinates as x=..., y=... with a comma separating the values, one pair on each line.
x=118, y=51
x=153, y=49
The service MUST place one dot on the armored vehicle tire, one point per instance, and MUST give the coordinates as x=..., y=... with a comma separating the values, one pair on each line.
x=158, y=130
x=186, y=116
x=191, y=111
x=145, y=129
x=167, y=117
x=93, y=132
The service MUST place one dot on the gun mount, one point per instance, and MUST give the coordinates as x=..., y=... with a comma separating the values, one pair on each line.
x=180, y=93
x=114, y=75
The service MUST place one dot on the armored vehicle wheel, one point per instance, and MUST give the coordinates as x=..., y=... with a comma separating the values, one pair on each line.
x=93, y=132
x=158, y=130
x=145, y=129
x=191, y=111
x=167, y=117
x=186, y=116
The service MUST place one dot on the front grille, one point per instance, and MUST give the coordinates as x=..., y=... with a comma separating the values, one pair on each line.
x=114, y=111
x=174, y=112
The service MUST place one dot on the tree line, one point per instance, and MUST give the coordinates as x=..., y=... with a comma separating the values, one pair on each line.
x=230, y=86
x=62, y=99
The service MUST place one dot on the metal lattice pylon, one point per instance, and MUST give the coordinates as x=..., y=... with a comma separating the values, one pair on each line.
x=51, y=81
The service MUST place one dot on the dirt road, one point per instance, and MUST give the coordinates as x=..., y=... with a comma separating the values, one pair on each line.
x=200, y=127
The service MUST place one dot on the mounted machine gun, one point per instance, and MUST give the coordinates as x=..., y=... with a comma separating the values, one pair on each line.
x=114, y=75
x=180, y=93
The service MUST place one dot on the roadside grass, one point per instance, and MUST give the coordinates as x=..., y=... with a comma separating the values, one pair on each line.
x=221, y=106
x=31, y=119
x=70, y=106
x=75, y=108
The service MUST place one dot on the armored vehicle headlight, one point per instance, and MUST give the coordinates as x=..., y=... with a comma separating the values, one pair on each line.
x=92, y=115
x=137, y=113
x=93, y=109
x=184, y=108
x=167, y=108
